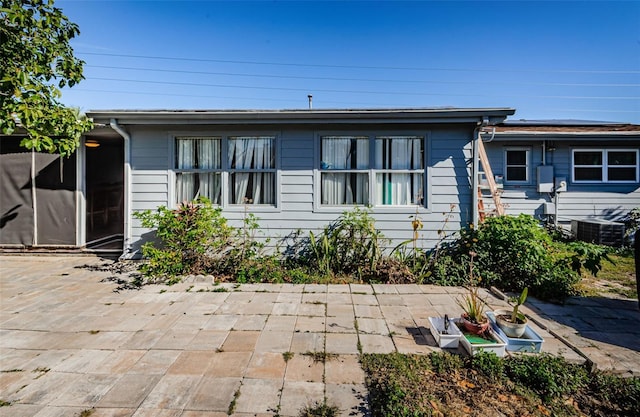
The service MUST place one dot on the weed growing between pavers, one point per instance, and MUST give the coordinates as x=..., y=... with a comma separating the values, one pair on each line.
x=234, y=402
x=86, y=413
x=538, y=385
x=287, y=356
x=319, y=409
x=321, y=357
x=4, y=403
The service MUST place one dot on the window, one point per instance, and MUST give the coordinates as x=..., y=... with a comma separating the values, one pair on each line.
x=516, y=165
x=249, y=169
x=252, y=173
x=353, y=167
x=605, y=165
x=345, y=164
x=399, y=170
x=198, y=169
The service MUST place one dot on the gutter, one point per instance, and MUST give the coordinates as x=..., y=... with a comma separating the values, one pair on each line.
x=126, y=246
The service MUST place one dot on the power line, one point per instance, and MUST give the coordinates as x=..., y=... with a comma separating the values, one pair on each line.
x=145, y=93
x=236, y=74
x=289, y=64
x=363, y=92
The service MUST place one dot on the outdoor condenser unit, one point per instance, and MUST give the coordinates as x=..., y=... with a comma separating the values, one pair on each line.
x=602, y=232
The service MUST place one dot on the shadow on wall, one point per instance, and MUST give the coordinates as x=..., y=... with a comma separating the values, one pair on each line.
x=613, y=214
x=9, y=215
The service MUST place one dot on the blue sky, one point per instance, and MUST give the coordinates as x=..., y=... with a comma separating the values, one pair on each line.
x=546, y=59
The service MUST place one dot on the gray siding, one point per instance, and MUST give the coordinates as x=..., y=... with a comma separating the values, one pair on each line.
x=605, y=201
x=448, y=162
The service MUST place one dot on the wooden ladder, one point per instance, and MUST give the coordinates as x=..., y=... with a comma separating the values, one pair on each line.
x=495, y=192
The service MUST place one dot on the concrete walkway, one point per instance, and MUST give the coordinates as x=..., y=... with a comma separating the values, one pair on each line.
x=70, y=343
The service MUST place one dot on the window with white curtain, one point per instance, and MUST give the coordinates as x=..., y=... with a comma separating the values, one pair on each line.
x=344, y=164
x=383, y=170
x=399, y=170
x=252, y=173
x=198, y=168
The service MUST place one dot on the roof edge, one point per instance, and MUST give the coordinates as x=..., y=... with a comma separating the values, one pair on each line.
x=300, y=116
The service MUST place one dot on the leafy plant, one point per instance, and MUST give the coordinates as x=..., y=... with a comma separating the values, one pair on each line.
x=319, y=409
x=489, y=364
x=518, y=301
x=588, y=256
x=421, y=262
x=350, y=245
x=191, y=237
x=631, y=223
x=36, y=60
x=547, y=375
x=443, y=362
x=514, y=253
x=472, y=303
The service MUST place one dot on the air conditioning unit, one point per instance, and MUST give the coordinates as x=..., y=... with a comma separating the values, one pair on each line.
x=602, y=232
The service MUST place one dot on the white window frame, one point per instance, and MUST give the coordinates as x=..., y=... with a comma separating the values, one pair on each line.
x=371, y=171
x=225, y=170
x=604, y=166
x=229, y=170
x=527, y=165
x=177, y=171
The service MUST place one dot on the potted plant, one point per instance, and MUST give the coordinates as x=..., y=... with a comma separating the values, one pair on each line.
x=513, y=323
x=473, y=318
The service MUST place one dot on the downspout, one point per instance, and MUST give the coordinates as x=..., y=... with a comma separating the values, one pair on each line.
x=475, y=169
x=126, y=246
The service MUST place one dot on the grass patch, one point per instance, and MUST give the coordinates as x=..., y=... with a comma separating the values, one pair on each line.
x=618, y=278
x=4, y=403
x=539, y=385
x=86, y=413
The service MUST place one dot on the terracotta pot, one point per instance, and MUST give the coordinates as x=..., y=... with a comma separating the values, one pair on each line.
x=473, y=327
x=503, y=318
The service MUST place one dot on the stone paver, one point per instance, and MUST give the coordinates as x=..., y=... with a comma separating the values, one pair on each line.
x=69, y=342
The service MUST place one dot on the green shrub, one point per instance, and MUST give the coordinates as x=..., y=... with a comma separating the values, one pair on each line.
x=188, y=237
x=513, y=253
x=444, y=362
x=195, y=238
x=622, y=394
x=548, y=376
x=489, y=364
x=350, y=245
x=631, y=224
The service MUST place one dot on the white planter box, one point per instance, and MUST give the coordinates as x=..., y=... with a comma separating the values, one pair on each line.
x=529, y=342
x=498, y=348
x=449, y=340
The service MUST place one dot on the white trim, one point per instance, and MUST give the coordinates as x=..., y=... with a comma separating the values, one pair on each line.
x=372, y=171
x=81, y=192
x=527, y=165
x=604, y=166
x=224, y=170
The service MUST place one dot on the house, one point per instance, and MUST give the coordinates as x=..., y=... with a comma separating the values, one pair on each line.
x=566, y=170
x=294, y=169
